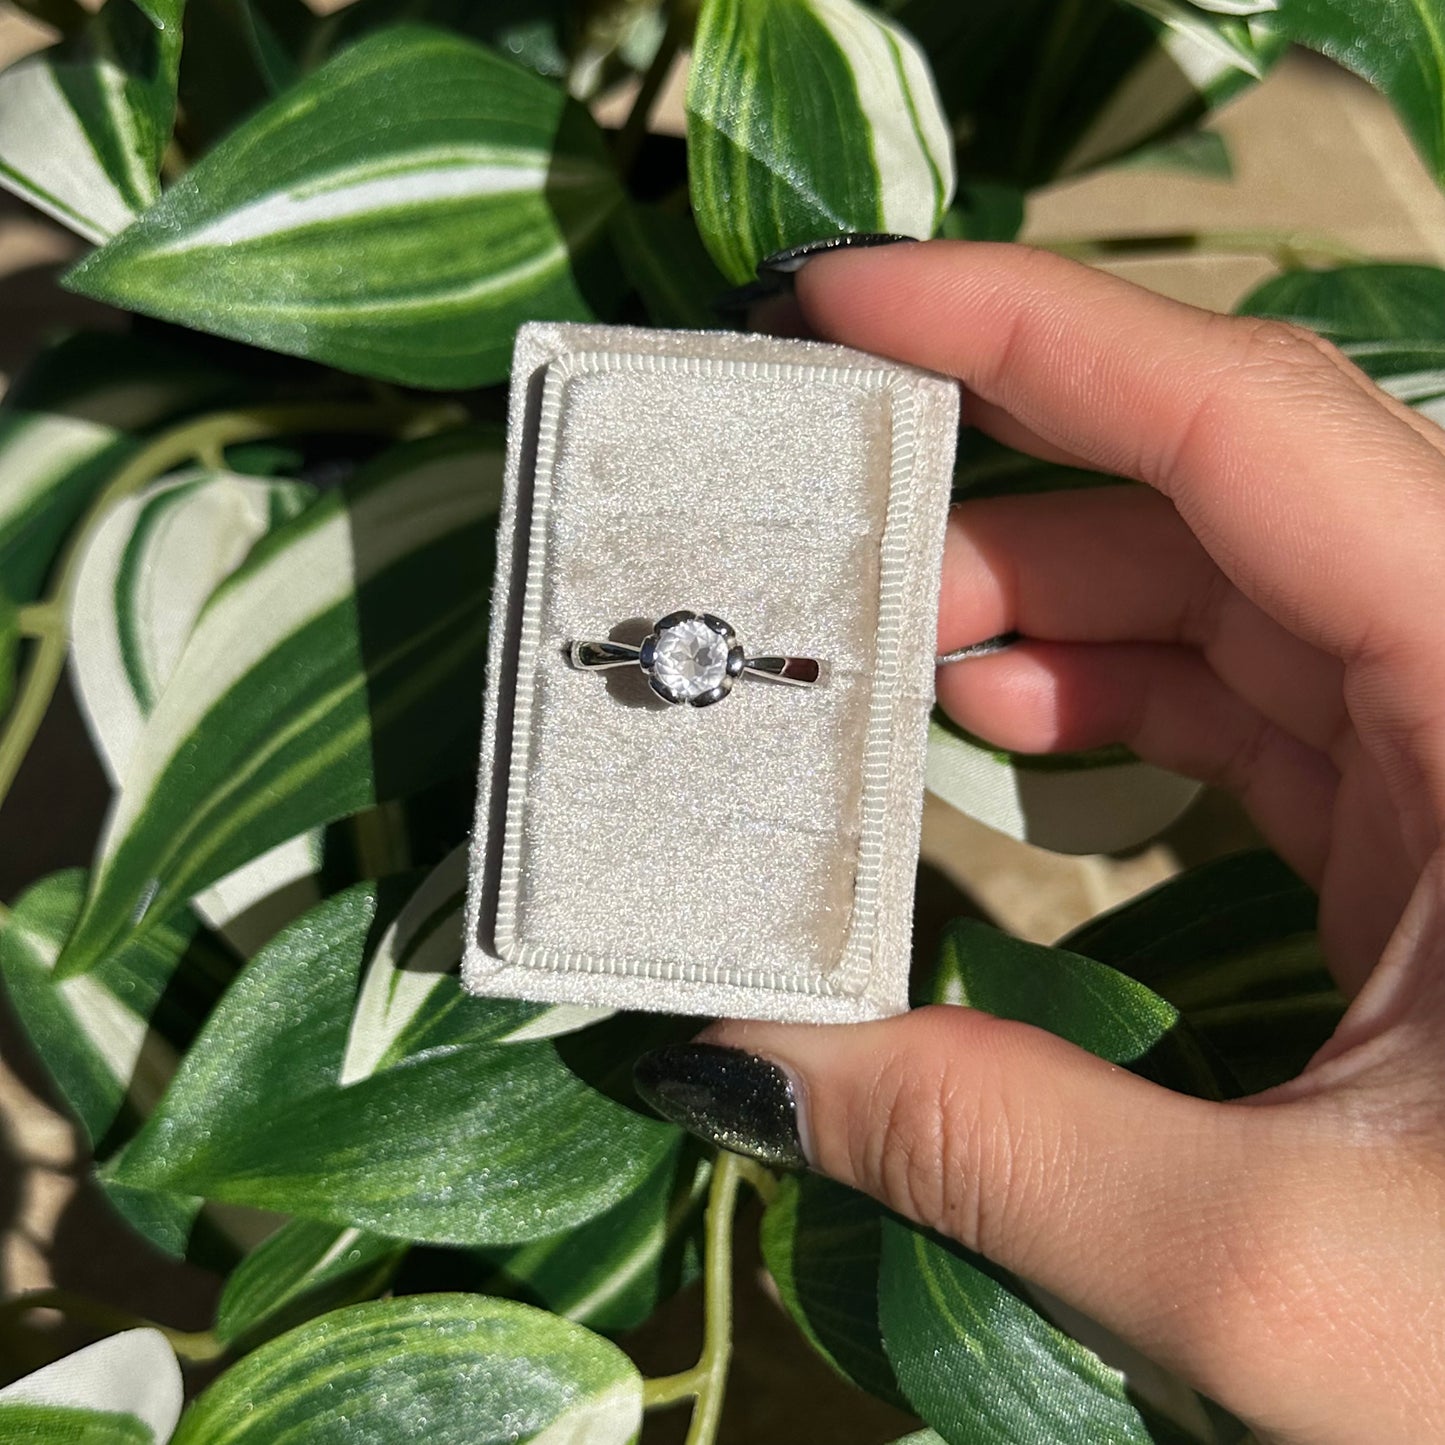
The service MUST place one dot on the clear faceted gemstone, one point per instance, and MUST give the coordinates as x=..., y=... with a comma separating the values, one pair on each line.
x=691, y=659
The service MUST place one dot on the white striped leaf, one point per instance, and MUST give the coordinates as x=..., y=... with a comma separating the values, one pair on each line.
x=1388, y=319
x=612, y=1272
x=95, y=1033
x=410, y=1000
x=454, y=1369
x=939, y=1302
x=123, y=1390
x=149, y=569
x=1397, y=45
x=1103, y=79
x=398, y=214
x=68, y=422
x=806, y=118
x=339, y=666
x=112, y=1041
x=83, y=125
x=471, y=1142
x=1198, y=62
x=1210, y=31
x=302, y=1270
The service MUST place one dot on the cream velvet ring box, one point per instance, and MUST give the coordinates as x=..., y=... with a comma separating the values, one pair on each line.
x=752, y=858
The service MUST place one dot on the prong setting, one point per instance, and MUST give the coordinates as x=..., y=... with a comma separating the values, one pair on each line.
x=692, y=659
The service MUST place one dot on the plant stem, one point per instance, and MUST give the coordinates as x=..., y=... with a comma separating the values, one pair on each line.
x=706, y=1382
x=1287, y=250
x=200, y=438
x=634, y=128
x=194, y=1347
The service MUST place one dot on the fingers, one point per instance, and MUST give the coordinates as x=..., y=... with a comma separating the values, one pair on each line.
x=1104, y=1189
x=1118, y=564
x=1227, y=1242
x=1322, y=507
x=1167, y=705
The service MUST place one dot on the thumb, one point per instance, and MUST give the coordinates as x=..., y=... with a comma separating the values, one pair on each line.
x=1113, y=1193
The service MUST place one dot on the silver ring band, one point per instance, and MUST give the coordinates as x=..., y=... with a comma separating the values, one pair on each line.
x=692, y=659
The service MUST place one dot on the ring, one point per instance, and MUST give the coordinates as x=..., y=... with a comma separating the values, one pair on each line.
x=693, y=659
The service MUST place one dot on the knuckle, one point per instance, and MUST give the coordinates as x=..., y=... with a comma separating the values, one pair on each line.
x=953, y=1148
x=1253, y=356
x=1242, y=764
x=1283, y=347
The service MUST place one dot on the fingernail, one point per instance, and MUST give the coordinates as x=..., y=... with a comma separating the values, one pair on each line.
x=776, y=272
x=986, y=648
x=790, y=260
x=731, y=1098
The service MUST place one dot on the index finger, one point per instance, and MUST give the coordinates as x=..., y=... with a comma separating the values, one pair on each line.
x=1322, y=507
x=1318, y=503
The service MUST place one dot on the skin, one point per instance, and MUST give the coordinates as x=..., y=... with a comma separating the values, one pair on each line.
x=1267, y=615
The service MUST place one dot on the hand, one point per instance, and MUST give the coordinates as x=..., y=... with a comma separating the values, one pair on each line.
x=1268, y=614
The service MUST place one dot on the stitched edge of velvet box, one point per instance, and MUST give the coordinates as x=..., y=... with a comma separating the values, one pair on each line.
x=870, y=977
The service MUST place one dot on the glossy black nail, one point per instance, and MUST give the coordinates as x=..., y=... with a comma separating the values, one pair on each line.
x=776, y=272
x=731, y=1098
x=986, y=648
x=789, y=261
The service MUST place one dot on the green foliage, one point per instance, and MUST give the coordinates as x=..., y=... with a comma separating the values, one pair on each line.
x=270, y=579
x=441, y=1367
x=85, y=124
x=476, y=1140
x=70, y=1425
x=396, y=213
x=905, y=1314
x=806, y=118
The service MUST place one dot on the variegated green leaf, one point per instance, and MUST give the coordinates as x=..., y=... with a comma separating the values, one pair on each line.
x=1233, y=945
x=471, y=1141
x=441, y=1367
x=1102, y=80
x=942, y=1309
x=534, y=33
x=83, y=125
x=1197, y=62
x=1397, y=45
x=96, y=1034
x=339, y=665
x=806, y=118
x=304, y=1269
x=147, y=572
x=612, y=1272
x=398, y=214
x=822, y=1244
x=69, y=421
x=112, y=1040
x=1388, y=319
x=984, y=1368
x=1217, y=40
x=1075, y=803
x=410, y=1001
x=124, y=1390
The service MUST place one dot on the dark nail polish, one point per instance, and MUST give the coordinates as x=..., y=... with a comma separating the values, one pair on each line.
x=789, y=261
x=776, y=272
x=731, y=1098
x=986, y=648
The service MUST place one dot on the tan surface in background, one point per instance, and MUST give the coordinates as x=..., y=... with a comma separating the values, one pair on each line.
x=1315, y=151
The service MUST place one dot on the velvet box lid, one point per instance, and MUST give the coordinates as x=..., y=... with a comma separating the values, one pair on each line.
x=756, y=857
